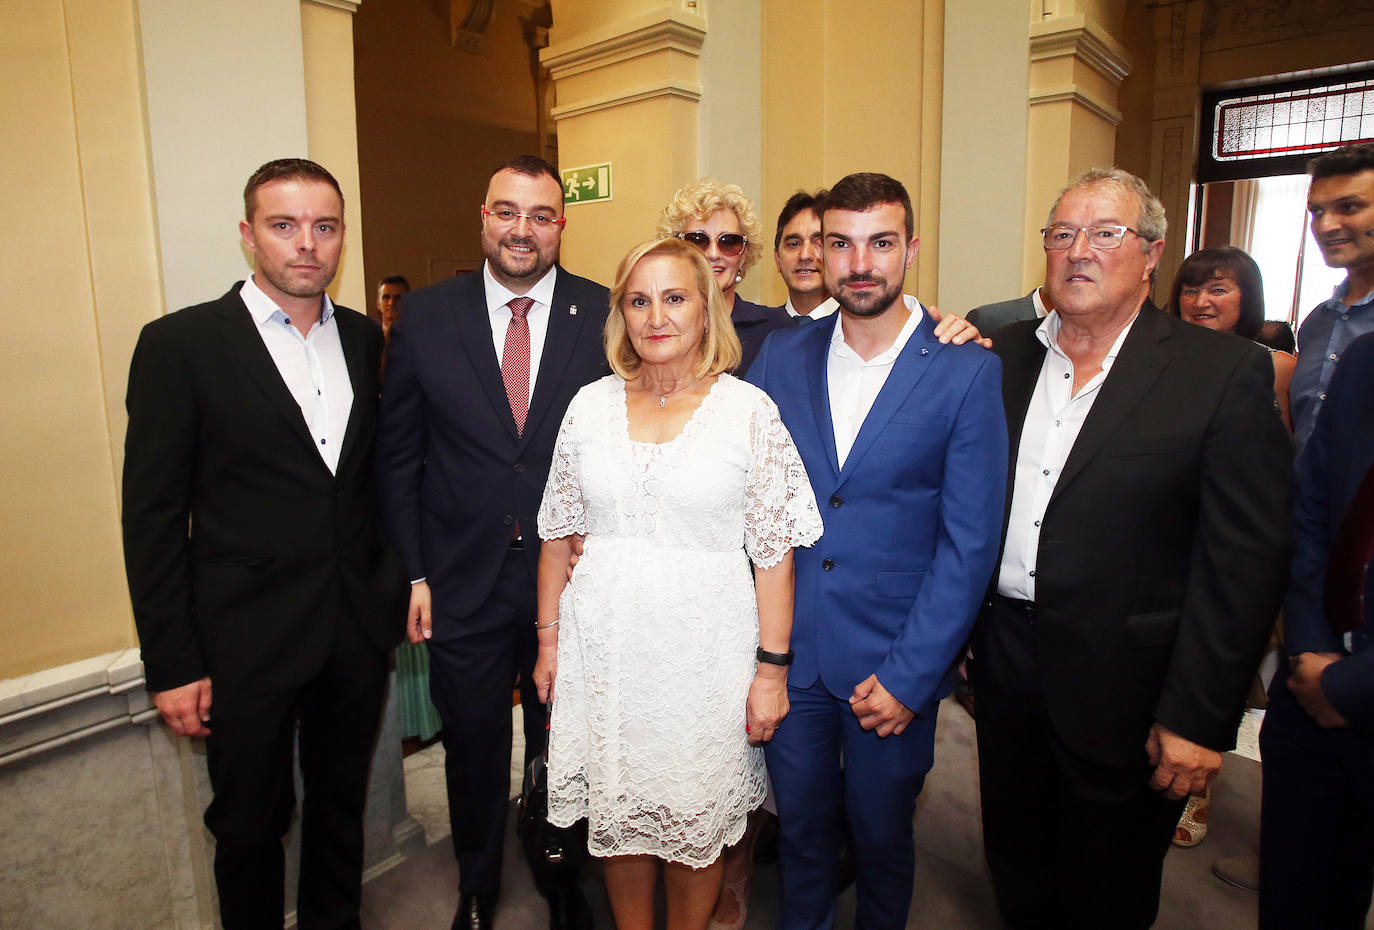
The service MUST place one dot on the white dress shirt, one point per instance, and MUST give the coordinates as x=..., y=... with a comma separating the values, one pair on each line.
x=1053, y=420
x=1038, y=302
x=854, y=383
x=538, y=317
x=827, y=307
x=312, y=366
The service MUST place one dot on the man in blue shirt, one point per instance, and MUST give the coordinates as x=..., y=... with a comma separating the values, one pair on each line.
x=1341, y=202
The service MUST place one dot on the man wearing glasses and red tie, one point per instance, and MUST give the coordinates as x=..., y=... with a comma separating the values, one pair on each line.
x=480, y=373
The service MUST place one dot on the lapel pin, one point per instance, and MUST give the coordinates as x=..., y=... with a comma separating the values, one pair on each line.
x=925, y=351
x=572, y=310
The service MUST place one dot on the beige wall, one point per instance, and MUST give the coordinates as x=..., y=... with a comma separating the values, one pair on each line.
x=854, y=86
x=983, y=153
x=628, y=81
x=80, y=258
x=331, y=131
x=431, y=121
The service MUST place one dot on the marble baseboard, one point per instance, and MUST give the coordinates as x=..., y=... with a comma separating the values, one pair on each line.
x=100, y=806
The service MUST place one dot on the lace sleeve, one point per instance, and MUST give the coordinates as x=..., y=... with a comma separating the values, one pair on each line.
x=779, y=506
x=562, y=513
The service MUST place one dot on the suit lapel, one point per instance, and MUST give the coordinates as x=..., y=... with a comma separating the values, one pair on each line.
x=351, y=341
x=908, y=369
x=565, y=326
x=243, y=341
x=1021, y=364
x=473, y=325
x=818, y=381
x=1143, y=356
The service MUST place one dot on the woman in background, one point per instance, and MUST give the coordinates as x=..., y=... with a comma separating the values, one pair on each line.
x=718, y=219
x=1222, y=290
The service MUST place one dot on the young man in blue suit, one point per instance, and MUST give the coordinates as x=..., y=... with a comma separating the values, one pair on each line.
x=479, y=375
x=905, y=443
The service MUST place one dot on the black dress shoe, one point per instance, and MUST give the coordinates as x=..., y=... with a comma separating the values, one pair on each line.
x=568, y=909
x=475, y=912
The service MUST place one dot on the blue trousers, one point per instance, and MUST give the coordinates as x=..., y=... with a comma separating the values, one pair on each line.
x=877, y=794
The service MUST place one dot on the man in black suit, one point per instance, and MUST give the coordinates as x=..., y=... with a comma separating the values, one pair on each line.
x=1144, y=558
x=254, y=558
x=480, y=373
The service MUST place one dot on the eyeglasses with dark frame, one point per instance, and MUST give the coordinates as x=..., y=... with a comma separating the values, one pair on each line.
x=731, y=244
x=506, y=217
x=1103, y=237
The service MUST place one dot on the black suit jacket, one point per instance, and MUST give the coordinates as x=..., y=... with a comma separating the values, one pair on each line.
x=1163, y=551
x=243, y=552
x=454, y=475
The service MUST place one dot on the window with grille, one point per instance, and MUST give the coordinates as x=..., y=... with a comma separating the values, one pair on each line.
x=1275, y=129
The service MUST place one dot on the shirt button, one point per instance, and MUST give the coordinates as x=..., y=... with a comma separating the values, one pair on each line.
x=1032, y=573
x=1037, y=522
x=1332, y=356
x=1066, y=374
x=1345, y=316
x=828, y=564
x=321, y=442
x=1045, y=471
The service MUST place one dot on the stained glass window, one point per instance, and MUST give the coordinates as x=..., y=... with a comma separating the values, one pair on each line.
x=1275, y=129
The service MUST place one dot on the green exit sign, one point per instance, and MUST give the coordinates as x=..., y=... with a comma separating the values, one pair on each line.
x=588, y=183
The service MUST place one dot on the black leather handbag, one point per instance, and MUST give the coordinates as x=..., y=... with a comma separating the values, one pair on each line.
x=552, y=852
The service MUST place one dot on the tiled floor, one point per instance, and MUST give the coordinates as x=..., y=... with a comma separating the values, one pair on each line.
x=952, y=889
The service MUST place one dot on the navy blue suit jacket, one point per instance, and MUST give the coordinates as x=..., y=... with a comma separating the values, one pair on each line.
x=1333, y=463
x=753, y=322
x=912, y=520
x=453, y=475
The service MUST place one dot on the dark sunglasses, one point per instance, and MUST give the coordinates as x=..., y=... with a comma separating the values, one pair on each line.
x=731, y=244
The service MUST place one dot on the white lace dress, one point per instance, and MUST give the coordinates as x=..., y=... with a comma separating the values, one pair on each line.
x=659, y=624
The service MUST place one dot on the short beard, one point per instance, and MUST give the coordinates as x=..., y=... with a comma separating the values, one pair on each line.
x=867, y=306
x=536, y=271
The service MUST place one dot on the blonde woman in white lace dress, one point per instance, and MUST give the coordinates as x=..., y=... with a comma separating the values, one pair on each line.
x=667, y=650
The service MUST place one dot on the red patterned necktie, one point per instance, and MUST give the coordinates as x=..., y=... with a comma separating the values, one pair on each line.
x=515, y=361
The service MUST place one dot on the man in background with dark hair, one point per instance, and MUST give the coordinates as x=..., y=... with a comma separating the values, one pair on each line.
x=1341, y=205
x=480, y=373
x=253, y=553
x=797, y=252
x=389, y=293
x=904, y=441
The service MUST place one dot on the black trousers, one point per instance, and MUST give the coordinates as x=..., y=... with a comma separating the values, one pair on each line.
x=470, y=682
x=1316, y=819
x=1069, y=842
x=249, y=752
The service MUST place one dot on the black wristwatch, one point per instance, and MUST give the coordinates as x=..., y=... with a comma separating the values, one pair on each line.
x=774, y=658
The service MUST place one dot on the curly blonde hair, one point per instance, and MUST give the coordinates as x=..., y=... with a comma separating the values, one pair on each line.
x=720, y=349
x=698, y=200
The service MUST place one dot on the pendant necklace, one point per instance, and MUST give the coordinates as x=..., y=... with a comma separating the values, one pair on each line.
x=663, y=398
